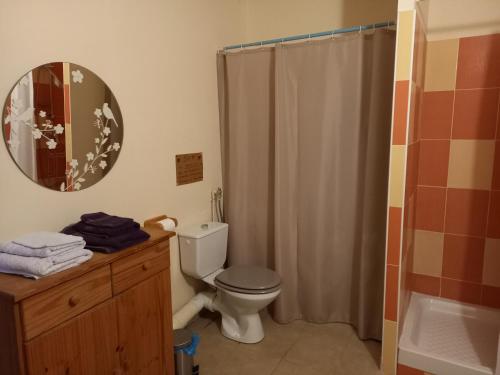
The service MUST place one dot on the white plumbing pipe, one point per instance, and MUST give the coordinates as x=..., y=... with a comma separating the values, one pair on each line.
x=202, y=300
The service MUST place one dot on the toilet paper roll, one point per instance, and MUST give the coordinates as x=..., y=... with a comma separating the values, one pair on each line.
x=167, y=224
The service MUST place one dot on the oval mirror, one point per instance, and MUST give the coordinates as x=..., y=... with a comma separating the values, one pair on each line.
x=62, y=126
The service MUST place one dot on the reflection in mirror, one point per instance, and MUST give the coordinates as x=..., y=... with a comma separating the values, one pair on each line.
x=62, y=126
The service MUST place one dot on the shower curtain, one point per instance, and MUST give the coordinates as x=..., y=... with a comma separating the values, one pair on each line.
x=305, y=134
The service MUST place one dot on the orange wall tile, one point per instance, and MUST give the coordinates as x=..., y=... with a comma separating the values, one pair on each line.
x=433, y=162
x=437, y=115
x=425, y=284
x=478, y=62
x=475, y=114
x=430, y=208
x=405, y=370
x=461, y=291
x=400, y=112
x=495, y=185
x=391, y=293
x=463, y=258
x=467, y=211
x=494, y=215
x=491, y=296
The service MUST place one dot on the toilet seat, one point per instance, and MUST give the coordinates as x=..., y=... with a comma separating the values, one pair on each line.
x=248, y=280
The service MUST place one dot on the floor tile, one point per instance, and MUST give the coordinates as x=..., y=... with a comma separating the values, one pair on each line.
x=296, y=348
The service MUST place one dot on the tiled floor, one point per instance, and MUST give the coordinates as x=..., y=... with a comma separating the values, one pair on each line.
x=299, y=348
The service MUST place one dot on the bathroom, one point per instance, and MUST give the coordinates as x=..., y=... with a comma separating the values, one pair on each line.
x=430, y=169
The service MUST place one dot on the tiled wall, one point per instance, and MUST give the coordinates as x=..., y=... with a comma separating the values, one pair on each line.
x=402, y=93
x=444, y=189
x=412, y=163
x=454, y=251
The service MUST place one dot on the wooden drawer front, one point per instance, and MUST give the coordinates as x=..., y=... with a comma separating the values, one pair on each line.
x=84, y=345
x=54, y=306
x=133, y=269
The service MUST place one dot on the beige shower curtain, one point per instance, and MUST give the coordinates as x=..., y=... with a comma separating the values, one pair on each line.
x=305, y=131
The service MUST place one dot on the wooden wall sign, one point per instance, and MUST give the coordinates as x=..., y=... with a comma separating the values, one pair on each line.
x=189, y=168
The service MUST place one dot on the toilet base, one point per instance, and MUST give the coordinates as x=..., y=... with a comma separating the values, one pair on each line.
x=246, y=329
x=240, y=314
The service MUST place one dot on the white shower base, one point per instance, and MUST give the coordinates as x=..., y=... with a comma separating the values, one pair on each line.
x=445, y=337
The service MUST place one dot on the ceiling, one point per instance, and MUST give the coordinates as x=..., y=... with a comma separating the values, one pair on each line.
x=446, y=19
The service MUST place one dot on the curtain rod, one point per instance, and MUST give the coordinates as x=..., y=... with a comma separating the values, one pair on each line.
x=314, y=35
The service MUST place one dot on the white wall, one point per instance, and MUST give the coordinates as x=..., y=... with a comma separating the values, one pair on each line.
x=267, y=19
x=158, y=57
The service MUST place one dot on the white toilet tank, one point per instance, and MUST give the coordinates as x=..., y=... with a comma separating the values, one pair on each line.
x=203, y=248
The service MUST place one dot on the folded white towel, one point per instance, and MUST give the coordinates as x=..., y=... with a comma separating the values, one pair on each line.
x=16, y=249
x=51, y=240
x=34, y=267
x=68, y=255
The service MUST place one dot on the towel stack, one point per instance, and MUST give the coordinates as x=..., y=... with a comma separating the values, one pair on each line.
x=42, y=253
x=106, y=233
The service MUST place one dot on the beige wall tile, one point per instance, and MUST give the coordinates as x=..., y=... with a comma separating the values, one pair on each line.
x=441, y=65
x=396, y=179
x=389, y=347
x=406, y=5
x=491, y=265
x=471, y=164
x=428, y=253
x=404, y=44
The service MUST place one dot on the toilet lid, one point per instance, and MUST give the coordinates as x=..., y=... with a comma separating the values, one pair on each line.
x=248, y=279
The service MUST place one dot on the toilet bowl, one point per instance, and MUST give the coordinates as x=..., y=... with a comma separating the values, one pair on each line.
x=241, y=291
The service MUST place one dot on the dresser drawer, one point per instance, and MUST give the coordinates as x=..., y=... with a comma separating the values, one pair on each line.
x=133, y=269
x=54, y=306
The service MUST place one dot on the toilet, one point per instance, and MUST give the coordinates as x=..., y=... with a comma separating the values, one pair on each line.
x=240, y=291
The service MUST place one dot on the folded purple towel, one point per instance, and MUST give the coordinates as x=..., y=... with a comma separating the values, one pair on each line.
x=110, y=244
x=104, y=220
x=106, y=232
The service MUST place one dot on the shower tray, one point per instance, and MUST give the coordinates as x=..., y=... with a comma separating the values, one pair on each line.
x=446, y=337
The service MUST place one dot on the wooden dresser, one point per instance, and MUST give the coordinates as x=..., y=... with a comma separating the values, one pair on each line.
x=111, y=315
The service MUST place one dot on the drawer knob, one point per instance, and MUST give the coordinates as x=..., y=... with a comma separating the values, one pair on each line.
x=73, y=301
x=146, y=266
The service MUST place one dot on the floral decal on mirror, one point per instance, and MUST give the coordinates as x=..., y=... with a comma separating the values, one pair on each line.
x=46, y=130
x=77, y=76
x=102, y=149
x=25, y=115
x=62, y=126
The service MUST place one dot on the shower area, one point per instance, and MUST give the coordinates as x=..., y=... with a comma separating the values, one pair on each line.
x=442, y=300
x=305, y=134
